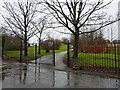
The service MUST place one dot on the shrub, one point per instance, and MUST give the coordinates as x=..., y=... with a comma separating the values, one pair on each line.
x=92, y=43
x=11, y=42
x=96, y=48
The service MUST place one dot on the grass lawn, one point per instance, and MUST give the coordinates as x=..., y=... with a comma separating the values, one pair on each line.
x=99, y=59
x=31, y=52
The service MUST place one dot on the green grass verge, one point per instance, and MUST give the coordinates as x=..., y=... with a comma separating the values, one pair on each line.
x=99, y=59
x=31, y=52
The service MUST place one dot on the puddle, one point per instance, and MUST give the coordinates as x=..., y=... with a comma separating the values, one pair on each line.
x=41, y=76
x=48, y=59
x=37, y=76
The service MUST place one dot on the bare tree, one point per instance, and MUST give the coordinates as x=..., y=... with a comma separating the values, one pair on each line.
x=20, y=14
x=40, y=26
x=1, y=30
x=78, y=16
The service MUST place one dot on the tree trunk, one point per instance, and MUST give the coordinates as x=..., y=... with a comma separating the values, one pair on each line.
x=76, y=43
x=25, y=43
x=39, y=46
x=25, y=48
x=25, y=36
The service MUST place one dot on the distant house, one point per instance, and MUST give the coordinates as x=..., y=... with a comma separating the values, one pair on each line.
x=116, y=41
x=2, y=30
x=107, y=41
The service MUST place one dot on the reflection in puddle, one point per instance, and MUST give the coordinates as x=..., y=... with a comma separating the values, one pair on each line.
x=38, y=76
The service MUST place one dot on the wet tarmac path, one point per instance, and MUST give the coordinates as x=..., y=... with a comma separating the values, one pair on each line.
x=16, y=75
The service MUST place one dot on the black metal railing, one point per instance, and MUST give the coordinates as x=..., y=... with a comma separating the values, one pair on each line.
x=103, y=59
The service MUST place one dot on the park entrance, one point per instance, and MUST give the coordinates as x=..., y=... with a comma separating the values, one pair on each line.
x=48, y=59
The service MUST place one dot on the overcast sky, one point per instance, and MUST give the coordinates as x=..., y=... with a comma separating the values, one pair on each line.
x=112, y=10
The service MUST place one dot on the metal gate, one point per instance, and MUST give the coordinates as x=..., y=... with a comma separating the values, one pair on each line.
x=46, y=59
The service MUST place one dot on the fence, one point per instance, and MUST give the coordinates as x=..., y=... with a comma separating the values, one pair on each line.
x=98, y=58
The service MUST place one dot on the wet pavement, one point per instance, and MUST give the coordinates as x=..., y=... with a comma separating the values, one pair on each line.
x=48, y=60
x=30, y=75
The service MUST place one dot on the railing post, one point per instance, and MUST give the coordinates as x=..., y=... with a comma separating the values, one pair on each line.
x=115, y=58
x=53, y=54
x=21, y=51
x=68, y=54
x=35, y=53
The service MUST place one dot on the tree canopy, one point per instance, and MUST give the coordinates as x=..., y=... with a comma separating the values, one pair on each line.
x=79, y=16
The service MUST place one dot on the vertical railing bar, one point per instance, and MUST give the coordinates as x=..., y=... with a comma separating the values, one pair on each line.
x=107, y=52
x=21, y=51
x=53, y=53
x=35, y=53
x=115, y=58
x=68, y=54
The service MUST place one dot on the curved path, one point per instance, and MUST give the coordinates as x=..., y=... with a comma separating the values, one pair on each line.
x=59, y=61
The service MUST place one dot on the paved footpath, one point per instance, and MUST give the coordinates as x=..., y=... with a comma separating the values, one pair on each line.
x=16, y=75
x=59, y=61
